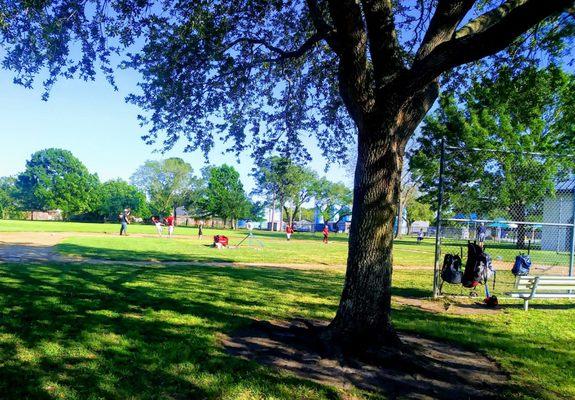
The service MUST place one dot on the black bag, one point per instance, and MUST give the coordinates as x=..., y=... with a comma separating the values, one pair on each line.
x=451, y=270
x=472, y=275
x=522, y=265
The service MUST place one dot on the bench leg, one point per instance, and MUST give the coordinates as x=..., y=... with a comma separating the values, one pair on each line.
x=526, y=305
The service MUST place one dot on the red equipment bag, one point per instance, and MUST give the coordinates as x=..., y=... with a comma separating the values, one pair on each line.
x=223, y=240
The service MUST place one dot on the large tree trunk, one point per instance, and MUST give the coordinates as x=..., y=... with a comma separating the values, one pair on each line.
x=363, y=317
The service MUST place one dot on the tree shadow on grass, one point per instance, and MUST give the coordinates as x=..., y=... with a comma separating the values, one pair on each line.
x=524, y=353
x=74, y=331
x=410, y=292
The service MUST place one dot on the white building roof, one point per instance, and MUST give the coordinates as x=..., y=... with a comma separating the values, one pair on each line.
x=566, y=186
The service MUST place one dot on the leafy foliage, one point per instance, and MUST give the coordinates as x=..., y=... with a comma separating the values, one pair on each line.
x=527, y=112
x=332, y=199
x=55, y=179
x=281, y=180
x=225, y=195
x=8, y=203
x=255, y=73
x=116, y=195
x=418, y=211
x=165, y=183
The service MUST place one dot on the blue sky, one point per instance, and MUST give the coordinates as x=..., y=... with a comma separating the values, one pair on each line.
x=92, y=121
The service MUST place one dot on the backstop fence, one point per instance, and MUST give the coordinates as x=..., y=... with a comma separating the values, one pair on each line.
x=510, y=202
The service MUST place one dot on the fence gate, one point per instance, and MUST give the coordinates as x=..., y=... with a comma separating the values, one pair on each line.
x=522, y=212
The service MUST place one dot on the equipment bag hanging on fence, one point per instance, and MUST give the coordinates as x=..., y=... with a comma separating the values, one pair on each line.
x=472, y=275
x=522, y=265
x=451, y=270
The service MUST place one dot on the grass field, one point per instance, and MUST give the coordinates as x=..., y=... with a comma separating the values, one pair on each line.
x=119, y=331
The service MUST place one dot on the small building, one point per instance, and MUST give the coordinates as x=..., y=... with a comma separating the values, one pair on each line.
x=50, y=215
x=416, y=226
x=558, y=210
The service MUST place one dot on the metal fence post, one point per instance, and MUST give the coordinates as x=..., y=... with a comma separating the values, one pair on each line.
x=572, y=258
x=438, y=221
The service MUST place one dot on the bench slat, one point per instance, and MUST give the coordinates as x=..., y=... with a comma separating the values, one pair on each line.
x=554, y=288
x=544, y=295
x=525, y=279
x=548, y=287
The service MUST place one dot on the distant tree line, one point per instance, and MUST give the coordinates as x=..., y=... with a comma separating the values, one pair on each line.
x=56, y=179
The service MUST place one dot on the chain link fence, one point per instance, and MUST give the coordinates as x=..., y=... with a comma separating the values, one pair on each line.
x=517, y=212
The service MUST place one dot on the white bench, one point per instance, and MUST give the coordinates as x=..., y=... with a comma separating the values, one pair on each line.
x=543, y=287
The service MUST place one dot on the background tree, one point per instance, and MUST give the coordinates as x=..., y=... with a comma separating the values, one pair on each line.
x=332, y=199
x=307, y=214
x=257, y=211
x=165, y=183
x=285, y=184
x=417, y=210
x=116, y=195
x=225, y=195
x=514, y=113
x=299, y=191
x=275, y=71
x=196, y=199
x=55, y=179
x=8, y=202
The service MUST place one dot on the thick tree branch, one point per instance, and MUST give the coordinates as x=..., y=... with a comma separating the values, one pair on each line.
x=281, y=53
x=386, y=54
x=353, y=70
x=488, y=19
x=321, y=24
x=317, y=17
x=448, y=14
x=493, y=38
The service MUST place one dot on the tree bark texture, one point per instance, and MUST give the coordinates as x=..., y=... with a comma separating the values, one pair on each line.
x=363, y=316
x=364, y=311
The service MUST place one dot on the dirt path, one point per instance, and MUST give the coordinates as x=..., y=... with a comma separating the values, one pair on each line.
x=31, y=246
x=425, y=369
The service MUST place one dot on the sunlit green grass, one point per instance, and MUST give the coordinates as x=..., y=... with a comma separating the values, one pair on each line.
x=148, y=229
x=191, y=249
x=270, y=247
x=117, y=331
x=406, y=251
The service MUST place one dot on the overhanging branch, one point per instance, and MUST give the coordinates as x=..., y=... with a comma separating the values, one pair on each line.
x=492, y=38
x=448, y=14
x=320, y=24
x=281, y=53
x=488, y=19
